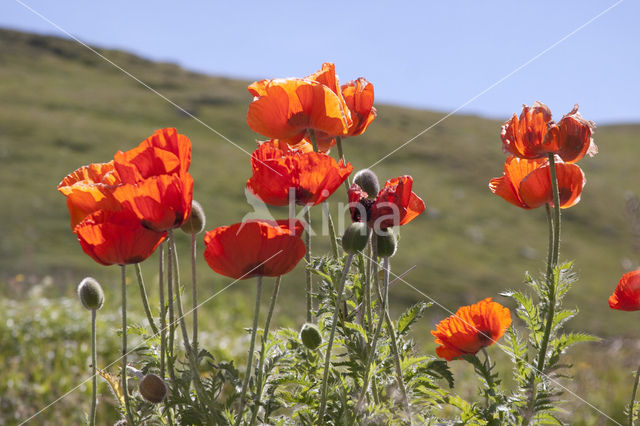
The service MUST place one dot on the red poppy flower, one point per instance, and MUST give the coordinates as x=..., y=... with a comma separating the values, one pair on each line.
x=471, y=329
x=534, y=134
x=163, y=153
x=116, y=237
x=157, y=186
x=314, y=176
x=396, y=204
x=249, y=249
x=626, y=296
x=90, y=189
x=358, y=95
x=160, y=202
x=527, y=183
x=289, y=108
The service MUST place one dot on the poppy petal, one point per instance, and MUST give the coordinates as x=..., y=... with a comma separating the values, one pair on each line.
x=626, y=296
x=536, y=190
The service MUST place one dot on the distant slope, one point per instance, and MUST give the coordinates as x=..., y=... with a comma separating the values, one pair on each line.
x=61, y=107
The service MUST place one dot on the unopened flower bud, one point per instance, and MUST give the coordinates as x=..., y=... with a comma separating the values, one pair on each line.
x=152, y=388
x=196, y=221
x=368, y=181
x=355, y=237
x=386, y=243
x=310, y=336
x=90, y=294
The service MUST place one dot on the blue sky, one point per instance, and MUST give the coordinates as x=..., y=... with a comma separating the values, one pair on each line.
x=436, y=55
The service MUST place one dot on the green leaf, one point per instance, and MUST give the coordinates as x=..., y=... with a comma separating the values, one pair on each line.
x=410, y=316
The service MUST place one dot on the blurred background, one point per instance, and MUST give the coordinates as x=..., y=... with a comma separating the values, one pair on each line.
x=451, y=73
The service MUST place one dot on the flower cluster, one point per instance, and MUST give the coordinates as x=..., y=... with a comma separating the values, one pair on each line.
x=121, y=210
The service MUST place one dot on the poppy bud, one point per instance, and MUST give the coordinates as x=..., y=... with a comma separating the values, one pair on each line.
x=90, y=294
x=152, y=388
x=368, y=181
x=386, y=241
x=310, y=336
x=196, y=221
x=355, y=237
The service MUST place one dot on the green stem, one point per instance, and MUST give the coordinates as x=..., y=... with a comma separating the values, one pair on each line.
x=347, y=182
x=633, y=396
x=334, y=323
x=550, y=241
x=163, y=313
x=332, y=230
x=394, y=342
x=194, y=293
x=145, y=300
x=314, y=142
x=551, y=286
x=307, y=257
x=94, y=361
x=171, y=325
x=195, y=371
x=125, y=390
x=245, y=384
x=367, y=291
x=265, y=338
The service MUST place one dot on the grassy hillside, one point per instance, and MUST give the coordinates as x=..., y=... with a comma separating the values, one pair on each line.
x=62, y=107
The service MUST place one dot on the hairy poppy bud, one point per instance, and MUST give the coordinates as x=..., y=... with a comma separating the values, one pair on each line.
x=355, y=237
x=90, y=294
x=310, y=336
x=152, y=388
x=386, y=241
x=196, y=221
x=368, y=181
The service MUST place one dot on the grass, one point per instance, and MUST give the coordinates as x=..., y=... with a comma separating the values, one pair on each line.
x=62, y=107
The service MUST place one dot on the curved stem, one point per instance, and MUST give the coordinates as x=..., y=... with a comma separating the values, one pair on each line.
x=194, y=293
x=145, y=300
x=307, y=257
x=195, y=371
x=247, y=376
x=334, y=323
x=125, y=390
x=551, y=280
x=94, y=378
x=550, y=241
x=332, y=230
x=633, y=396
x=265, y=337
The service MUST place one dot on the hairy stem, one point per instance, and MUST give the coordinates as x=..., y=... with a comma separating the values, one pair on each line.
x=307, y=257
x=171, y=325
x=633, y=396
x=263, y=349
x=334, y=323
x=145, y=300
x=194, y=293
x=94, y=378
x=163, y=318
x=125, y=390
x=347, y=182
x=245, y=384
x=332, y=230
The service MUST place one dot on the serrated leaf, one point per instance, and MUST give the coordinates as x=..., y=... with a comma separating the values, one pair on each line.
x=410, y=316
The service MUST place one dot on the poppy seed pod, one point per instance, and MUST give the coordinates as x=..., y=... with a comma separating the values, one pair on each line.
x=387, y=244
x=310, y=336
x=196, y=222
x=368, y=181
x=152, y=388
x=355, y=237
x=90, y=294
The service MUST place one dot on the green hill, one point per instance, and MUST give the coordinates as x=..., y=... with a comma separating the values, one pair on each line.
x=62, y=107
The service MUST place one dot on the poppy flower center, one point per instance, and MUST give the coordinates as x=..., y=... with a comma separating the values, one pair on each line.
x=364, y=206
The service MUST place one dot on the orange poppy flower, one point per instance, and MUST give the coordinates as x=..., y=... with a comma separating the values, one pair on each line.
x=527, y=183
x=157, y=186
x=534, y=134
x=165, y=152
x=358, y=95
x=116, y=237
x=471, y=329
x=289, y=108
x=396, y=204
x=314, y=176
x=626, y=296
x=249, y=249
x=89, y=189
